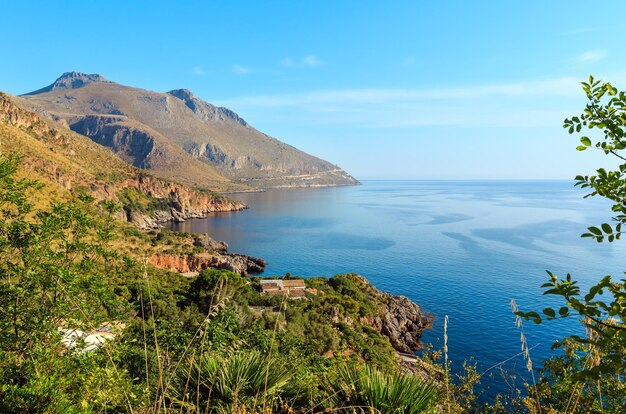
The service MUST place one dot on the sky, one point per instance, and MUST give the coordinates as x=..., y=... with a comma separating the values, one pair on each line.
x=385, y=89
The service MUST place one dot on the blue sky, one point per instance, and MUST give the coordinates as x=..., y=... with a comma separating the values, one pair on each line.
x=385, y=89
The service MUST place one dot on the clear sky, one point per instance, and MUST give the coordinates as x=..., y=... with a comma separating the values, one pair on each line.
x=386, y=89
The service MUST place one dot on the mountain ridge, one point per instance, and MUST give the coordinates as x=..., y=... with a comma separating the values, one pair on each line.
x=171, y=132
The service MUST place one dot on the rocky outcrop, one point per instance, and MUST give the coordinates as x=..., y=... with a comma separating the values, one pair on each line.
x=27, y=120
x=238, y=263
x=213, y=255
x=72, y=80
x=206, y=242
x=205, y=110
x=181, y=202
x=401, y=320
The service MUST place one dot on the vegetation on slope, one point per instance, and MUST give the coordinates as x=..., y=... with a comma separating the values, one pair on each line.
x=60, y=271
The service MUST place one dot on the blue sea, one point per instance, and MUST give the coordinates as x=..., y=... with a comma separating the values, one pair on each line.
x=458, y=248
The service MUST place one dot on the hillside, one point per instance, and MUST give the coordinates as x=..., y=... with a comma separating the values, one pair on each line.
x=68, y=164
x=178, y=136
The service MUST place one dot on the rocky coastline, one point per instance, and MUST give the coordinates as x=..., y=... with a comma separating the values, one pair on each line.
x=212, y=254
x=180, y=202
x=400, y=319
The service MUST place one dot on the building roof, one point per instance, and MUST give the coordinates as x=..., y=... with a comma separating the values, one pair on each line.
x=292, y=288
x=270, y=286
x=297, y=283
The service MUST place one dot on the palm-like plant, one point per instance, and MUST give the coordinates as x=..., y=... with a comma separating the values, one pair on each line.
x=245, y=381
x=368, y=390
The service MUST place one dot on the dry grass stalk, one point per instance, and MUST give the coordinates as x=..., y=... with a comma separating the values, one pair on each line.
x=525, y=350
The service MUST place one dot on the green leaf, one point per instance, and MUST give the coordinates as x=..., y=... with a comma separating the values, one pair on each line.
x=585, y=141
x=550, y=312
x=581, y=148
x=595, y=230
x=607, y=228
x=564, y=311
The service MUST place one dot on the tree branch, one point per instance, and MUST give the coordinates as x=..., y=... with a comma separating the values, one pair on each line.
x=616, y=154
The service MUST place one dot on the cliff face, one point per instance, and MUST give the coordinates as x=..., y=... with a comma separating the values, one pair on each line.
x=238, y=263
x=207, y=253
x=76, y=164
x=401, y=320
x=131, y=144
x=177, y=202
x=15, y=116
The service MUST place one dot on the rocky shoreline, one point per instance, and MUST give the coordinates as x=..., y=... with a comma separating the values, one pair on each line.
x=401, y=320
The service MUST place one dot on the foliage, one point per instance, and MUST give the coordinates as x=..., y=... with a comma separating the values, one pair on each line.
x=595, y=364
x=242, y=380
x=134, y=200
x=196, y=344
x=354, y=389
x=51, y=277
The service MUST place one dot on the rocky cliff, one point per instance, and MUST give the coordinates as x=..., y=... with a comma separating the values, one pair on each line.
x=400, y=319
x=174, y=202
x=207, y=253
x=403, y=322
x=238, y=263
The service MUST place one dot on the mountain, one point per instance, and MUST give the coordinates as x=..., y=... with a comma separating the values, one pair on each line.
x=179, y=136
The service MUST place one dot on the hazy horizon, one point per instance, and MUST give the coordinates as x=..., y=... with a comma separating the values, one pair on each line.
x=399, y=90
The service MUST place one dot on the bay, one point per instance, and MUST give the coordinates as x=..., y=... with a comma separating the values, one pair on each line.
x=458, y=248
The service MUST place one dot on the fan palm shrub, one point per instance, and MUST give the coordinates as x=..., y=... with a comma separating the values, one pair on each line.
x=364, y=389
x=244, y=381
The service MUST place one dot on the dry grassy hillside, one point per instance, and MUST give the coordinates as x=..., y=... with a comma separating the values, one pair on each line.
x=68, y=163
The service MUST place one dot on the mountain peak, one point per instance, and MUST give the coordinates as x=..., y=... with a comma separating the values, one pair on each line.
x=72, y=80
x=204, y=109
x=183, y=94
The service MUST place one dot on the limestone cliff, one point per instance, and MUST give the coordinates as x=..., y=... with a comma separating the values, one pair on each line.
x=200, y=252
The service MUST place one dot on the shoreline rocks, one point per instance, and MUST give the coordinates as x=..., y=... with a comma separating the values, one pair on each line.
x=214, y=256
x=402, y=320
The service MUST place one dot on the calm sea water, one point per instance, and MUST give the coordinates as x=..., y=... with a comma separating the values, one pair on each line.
x=462, y=249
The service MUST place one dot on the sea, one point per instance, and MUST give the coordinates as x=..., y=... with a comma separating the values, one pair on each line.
x=460, y=249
